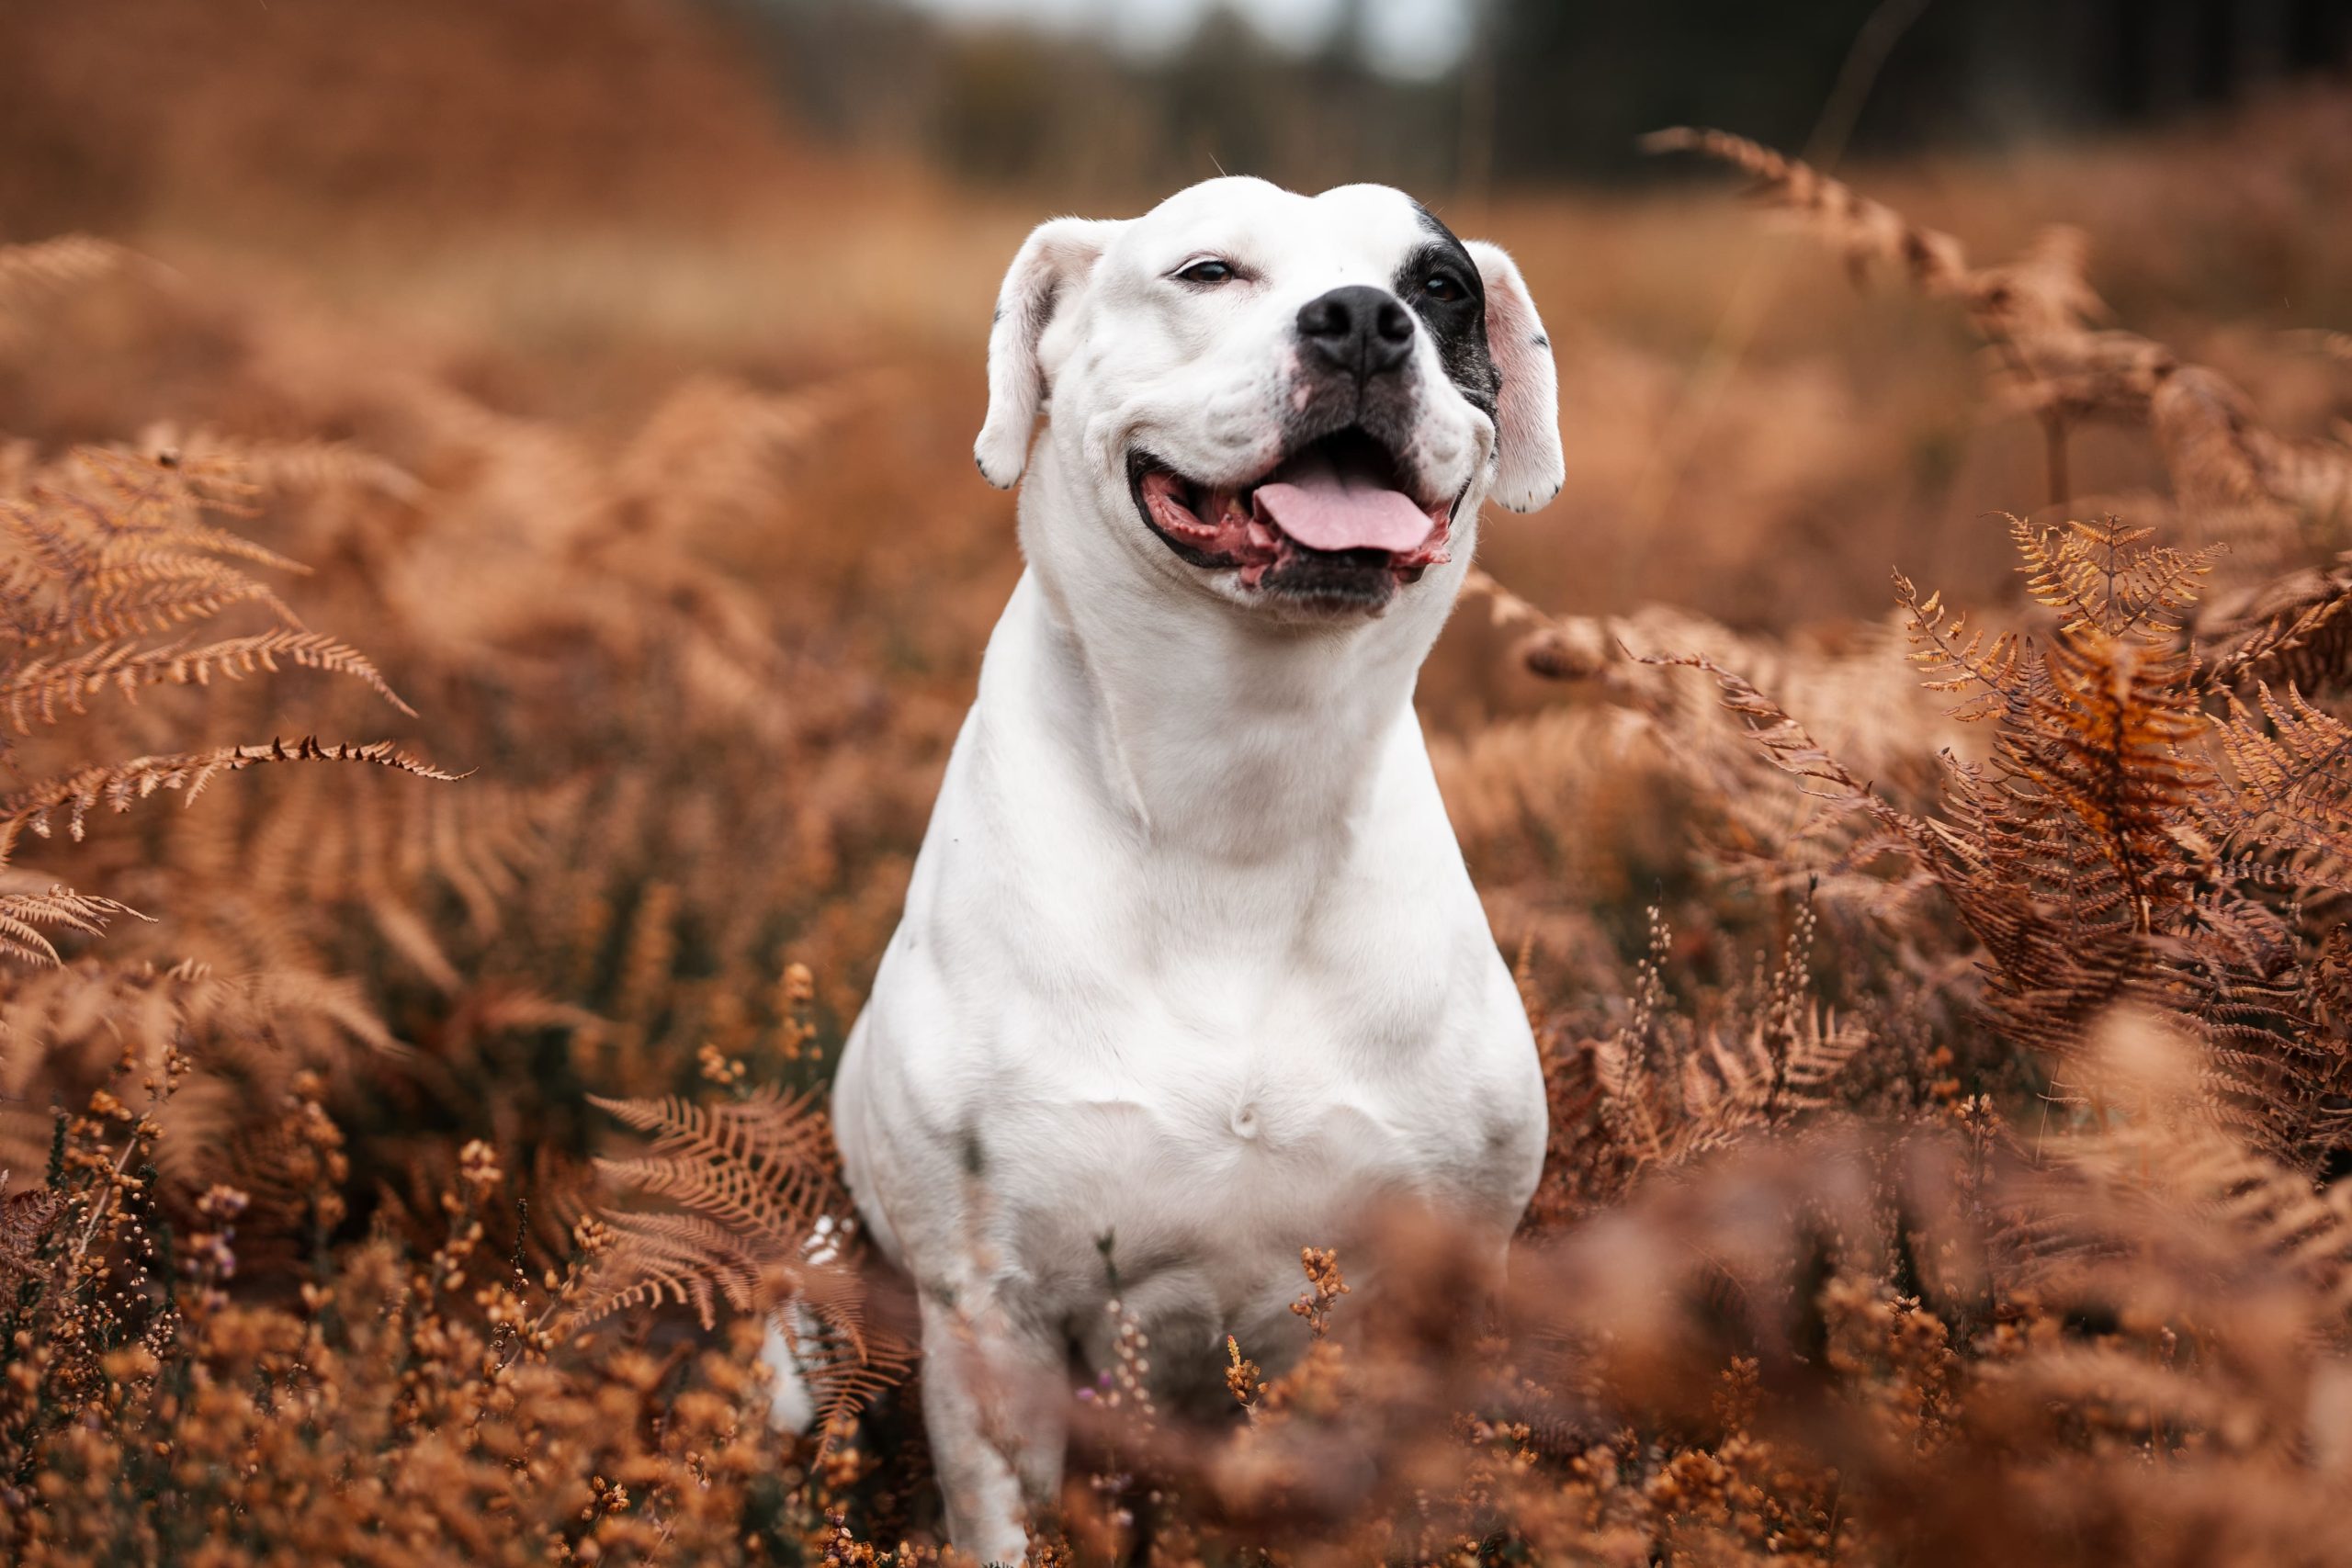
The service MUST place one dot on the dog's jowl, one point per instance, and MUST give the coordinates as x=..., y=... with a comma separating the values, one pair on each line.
x=1189, y=959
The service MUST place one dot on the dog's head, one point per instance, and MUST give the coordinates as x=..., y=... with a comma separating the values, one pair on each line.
x=1296, y=403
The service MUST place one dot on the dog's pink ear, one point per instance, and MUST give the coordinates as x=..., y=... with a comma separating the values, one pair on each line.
x=1528, y=466
x=1056, y=259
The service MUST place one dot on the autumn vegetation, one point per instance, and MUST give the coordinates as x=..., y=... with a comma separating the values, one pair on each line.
x=468, y=705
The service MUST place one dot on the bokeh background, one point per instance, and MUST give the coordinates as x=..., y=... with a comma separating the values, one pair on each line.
x=567, y=201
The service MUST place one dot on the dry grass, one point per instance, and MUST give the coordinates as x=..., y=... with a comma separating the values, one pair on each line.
x=1944, y=1019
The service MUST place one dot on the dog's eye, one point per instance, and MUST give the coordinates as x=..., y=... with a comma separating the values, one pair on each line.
x=1443, y=288
x=1211, y=271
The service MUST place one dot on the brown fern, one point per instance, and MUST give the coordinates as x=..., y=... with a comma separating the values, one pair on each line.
x=2290, y=766
x=750, y=1186
x=761, y=1166
x=33, y=690
x=23, y=914
x=109, y=547
x=120, y=785
x=2296, y=631
x=2039, y=315
x=2118, y=846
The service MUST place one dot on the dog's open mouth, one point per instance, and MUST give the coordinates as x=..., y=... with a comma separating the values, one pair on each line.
x=1333, y=524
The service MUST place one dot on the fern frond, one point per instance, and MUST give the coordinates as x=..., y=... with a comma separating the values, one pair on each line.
x=710, y=449
x=1760, y=1075
x=2313, y=476
x=729, y=1191
x=23, y=914
x=2039, y=315
x=770, y=1130
x=845, y=1371
x=130, y=593
x=2106, y=736
x=2069, y=375
x=2291, y=771
x=1954, y=659
x=752, y=1182
x=2046, y=292
x=2104, y=575
x=683, y=1258
x=2060, y=854
x=1628, y=1103
x=120, y=785
x=168, y=492
x=1867, y=232
x=759, y=1168
x=2299, y=634
x=32, y=692
x=57, y=549
x=1787, y=743
x=276, y=466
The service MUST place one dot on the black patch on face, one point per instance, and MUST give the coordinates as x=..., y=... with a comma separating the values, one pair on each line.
x=1458, y=325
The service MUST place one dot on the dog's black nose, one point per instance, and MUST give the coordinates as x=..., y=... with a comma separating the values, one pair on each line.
x=1360, y=330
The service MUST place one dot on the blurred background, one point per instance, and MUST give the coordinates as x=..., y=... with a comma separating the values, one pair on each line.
x=115, y=107
x=568, y=200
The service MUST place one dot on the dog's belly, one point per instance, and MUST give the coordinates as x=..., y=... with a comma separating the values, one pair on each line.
x=1191, y=1216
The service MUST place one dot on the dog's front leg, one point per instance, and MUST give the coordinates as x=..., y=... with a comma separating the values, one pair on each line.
x=996, y=1403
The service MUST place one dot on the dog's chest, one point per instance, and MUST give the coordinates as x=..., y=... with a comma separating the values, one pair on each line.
x=1254, y=1129
x=1188, y=1169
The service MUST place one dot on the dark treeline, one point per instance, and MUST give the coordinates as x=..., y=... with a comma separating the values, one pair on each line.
x=1576, y=82
x=1551, y=89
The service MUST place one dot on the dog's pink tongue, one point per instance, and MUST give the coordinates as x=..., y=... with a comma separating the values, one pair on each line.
x=1325, y=509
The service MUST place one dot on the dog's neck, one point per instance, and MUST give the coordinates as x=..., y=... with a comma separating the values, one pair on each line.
x=1212, y=730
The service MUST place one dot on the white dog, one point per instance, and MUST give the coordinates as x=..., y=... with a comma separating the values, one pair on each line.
x=1191, y=972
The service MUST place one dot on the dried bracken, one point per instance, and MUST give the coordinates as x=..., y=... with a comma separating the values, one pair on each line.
x=752, y=1198
x=2040, y=316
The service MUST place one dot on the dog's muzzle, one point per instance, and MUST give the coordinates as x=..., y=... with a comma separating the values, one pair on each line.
x=1335, y=526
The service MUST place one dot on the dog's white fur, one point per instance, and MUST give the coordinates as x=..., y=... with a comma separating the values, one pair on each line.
x=1191, y=970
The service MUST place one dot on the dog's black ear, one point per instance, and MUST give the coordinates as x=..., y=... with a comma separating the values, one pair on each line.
x=1055, y=258
x=1529, y=465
